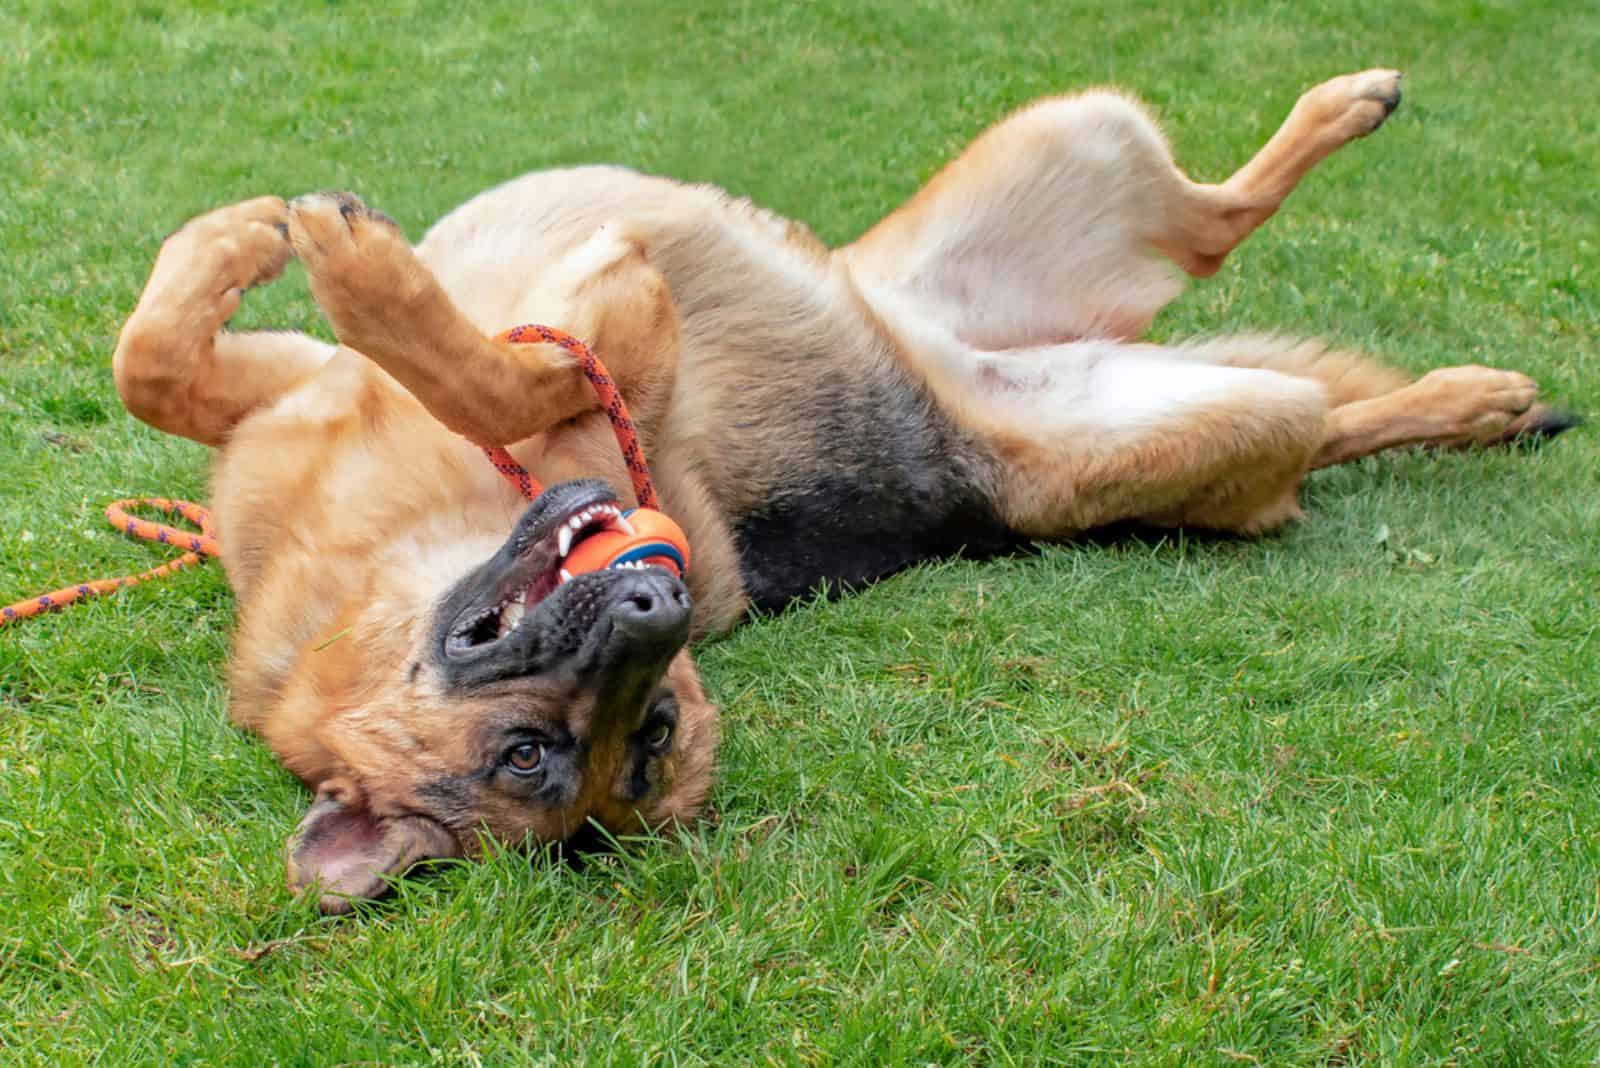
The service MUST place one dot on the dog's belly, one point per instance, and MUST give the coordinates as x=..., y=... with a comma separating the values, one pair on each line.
x=888, y=482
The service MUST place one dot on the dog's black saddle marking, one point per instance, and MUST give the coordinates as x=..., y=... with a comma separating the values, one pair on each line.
x=893, y=482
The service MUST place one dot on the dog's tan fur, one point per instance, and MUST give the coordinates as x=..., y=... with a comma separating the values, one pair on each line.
x=1010, y=290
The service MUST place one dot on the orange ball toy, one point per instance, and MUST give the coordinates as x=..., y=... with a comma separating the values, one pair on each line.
x=656, y=541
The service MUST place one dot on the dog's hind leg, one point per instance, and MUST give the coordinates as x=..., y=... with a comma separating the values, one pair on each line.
x=1096, y=432
x=1447, y=408
x=384, y=303
x=1063, y=221
x=1206, y=222
x=175, y=366
x=1459, y=406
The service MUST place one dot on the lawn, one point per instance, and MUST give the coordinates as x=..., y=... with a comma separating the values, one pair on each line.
x=1325, y=798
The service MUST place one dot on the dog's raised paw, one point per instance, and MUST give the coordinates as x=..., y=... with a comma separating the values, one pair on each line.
x=1381, y=87
x=206, y=266
x=356, y=212
x=360, y=266
x=1358, y=103
x=339, y=238
x=327, y=223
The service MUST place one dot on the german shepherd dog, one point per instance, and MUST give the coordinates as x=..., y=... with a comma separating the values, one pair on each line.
x=967, y=376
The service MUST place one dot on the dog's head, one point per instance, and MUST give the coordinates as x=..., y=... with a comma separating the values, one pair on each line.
x=526, y=705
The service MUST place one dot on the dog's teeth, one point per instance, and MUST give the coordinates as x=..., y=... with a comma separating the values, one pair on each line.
x=577, y=524
x=619, y=521
x=512, y=615
x=566, y=576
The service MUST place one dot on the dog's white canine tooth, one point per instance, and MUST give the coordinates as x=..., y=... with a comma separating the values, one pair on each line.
x=620, y=521
x=564, y=541
x=566, y=576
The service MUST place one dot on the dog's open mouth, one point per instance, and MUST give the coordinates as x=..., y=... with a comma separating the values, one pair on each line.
x=531, y=566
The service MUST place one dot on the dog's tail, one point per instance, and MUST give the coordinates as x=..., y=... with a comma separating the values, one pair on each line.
x=1540, y=421
x=1348, y=376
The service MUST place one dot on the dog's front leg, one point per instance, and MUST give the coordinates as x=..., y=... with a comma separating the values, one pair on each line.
x=384, y=303
x=175, y=365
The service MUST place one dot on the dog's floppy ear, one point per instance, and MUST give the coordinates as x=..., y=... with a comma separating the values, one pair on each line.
x=347, y=853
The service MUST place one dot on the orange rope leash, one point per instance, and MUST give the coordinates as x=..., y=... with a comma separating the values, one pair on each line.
x=610, y=400
x=201, y=547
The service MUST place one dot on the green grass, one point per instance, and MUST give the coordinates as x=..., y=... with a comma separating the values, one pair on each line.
x=1330, y=797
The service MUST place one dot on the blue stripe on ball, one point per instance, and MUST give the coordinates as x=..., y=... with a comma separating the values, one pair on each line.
x=650, y=549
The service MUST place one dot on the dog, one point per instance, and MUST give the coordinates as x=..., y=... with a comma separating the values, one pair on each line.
x=965, y=377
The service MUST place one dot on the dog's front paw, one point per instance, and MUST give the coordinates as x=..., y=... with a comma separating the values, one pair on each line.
x=361, y=268
x=204, y=269
x=335, y=224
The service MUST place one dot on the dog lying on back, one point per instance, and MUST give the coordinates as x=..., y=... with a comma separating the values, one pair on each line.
x=965, y=377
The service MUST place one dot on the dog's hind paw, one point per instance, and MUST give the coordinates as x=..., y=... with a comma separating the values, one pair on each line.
x=1355, y=104
x=1473, y=405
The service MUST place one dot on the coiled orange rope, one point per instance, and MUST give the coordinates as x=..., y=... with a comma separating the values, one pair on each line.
x=201, y=547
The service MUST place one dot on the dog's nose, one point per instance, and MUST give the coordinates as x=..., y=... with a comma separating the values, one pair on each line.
x=651, y=607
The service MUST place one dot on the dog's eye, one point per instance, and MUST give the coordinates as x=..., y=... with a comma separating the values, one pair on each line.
x=525, y=758
x=659, y=738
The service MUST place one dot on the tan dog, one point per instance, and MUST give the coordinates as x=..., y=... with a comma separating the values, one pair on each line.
x=963, y=377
